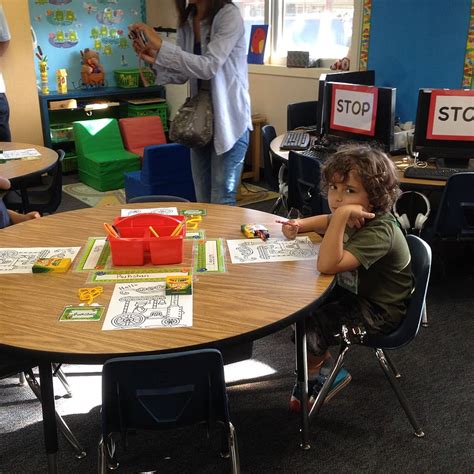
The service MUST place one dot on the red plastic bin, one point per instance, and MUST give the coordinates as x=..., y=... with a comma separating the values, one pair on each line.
x=137, y=244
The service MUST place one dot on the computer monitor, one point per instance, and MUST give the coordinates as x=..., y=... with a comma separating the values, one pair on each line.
x=366, y=78
x=360, y=113
x=444, y=127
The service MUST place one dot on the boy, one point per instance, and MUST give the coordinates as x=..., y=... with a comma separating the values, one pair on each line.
x=364, y=246
x=8, y=217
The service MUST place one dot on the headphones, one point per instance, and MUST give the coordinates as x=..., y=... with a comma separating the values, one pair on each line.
x=412, y=201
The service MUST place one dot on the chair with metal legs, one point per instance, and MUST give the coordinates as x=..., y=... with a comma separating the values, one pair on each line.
x=405, y=333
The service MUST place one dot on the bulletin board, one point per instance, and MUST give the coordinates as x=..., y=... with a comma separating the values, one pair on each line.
x=65, y=27
x=412, y=45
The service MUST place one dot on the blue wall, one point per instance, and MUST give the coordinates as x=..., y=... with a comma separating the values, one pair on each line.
x=65, y=27
x=418, y=43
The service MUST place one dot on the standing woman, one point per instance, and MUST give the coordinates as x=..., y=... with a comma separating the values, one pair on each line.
x=210, y=46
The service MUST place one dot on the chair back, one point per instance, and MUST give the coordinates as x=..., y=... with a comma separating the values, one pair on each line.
x=455, y=217
x=270, y=167
x=301, y=114
x=420, y=253
x=92, y=136
x=163, y=391
x=304, y=176
x=169, y=167
x=139, y=132
x=157, y=198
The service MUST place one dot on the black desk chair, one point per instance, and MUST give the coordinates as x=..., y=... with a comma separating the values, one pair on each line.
x=274, y=169
x=455, y=217
x=162, y=392
x=304, y=176
x=405, y=333
x=157, y=198
x=301, y=114
x=11, y=366
x=41, y=192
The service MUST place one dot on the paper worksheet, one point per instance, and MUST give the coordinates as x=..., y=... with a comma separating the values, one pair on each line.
x=15, y=154
x=168, y=211
x=146, y=305
x=20, y=260
x=271, y=250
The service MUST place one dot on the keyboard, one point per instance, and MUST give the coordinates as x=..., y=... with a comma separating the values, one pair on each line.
x=440, y=174
x=320, y=155
x=295, y=141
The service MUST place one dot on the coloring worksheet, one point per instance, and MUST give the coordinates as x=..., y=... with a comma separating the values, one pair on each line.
x=271, y=250
x=20, y=260
x=147, y=305
x=167, y=211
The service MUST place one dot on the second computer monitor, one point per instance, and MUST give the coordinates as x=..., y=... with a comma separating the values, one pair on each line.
x=366, y=78
x=360, y=113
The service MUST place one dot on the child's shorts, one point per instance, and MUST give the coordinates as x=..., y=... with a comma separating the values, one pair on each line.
x=344, y=307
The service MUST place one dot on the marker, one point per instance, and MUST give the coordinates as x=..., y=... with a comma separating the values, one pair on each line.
x=293, y=224
x=153, y=231
x=39, y=56
x=40, y=50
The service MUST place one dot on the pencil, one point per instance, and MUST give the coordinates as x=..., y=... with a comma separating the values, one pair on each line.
x=153, y=231
x=293, y=224
x=110, y=230
x=178, y=228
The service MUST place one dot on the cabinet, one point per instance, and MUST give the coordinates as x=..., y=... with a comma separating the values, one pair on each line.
x=56, y=122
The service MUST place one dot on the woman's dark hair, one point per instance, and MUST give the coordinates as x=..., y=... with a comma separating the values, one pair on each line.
x=213, y=7
x=374, y=168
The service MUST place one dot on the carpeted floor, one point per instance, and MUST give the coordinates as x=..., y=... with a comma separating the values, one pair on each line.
x=249, y=194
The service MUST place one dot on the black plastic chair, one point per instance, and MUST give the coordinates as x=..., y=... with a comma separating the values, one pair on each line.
x=421, y=266
x=274, y=169
x=157, y=198
x=11, y=366
x=304, y=176
x=161, y=392
x=455, y=217
x=41, y=192
x=301, y=114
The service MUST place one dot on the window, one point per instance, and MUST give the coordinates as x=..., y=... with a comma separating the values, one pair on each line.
x=322, y=27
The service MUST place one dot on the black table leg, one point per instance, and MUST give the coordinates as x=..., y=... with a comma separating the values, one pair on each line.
x=49, y=416
x=302, y=379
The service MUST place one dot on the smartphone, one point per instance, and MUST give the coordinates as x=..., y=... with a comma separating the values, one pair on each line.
x=140, y=35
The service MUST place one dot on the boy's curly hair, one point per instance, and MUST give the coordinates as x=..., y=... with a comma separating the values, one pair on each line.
x=375, y=169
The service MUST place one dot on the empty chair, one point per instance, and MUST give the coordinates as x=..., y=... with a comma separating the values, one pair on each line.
x=166, y=170
x=405, y=333
x=101, y=157
x=274, y=169
x=42, y=192
x=139, y=132
x=304, y=176
x=12, y=365
x=157, y=198
x=163, y=392
x=301, y=114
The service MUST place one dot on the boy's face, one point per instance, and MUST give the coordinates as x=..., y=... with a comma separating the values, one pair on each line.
x=351, y=191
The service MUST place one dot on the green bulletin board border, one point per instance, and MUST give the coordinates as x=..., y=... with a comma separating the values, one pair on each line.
x=365, y=35
x=468, y=71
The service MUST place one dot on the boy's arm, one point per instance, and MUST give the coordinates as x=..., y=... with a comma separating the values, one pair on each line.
x=332, y=256
x=317, y=224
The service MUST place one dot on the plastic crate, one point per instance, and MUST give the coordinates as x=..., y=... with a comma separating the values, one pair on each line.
x=127, y=78
x=136, y=244
x=159, y=108
x=61, y=132
x=69, y=163
x=149, y=76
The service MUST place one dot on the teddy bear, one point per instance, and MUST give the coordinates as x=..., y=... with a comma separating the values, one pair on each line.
x=92, y=71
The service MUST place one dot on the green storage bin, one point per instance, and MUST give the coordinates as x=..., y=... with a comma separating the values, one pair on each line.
x=127, y=78
x=149, y=76
x=61, y=132
x=69, y=163
x=159, y=108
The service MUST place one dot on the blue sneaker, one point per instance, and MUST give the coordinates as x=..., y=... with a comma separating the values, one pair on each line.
x=314, y=387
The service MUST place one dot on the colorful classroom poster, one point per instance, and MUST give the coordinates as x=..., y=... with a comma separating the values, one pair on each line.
x=271, y=250
x=147, y=305
x=258, y=39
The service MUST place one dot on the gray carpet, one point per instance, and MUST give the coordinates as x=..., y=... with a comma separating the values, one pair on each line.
x=363, y=429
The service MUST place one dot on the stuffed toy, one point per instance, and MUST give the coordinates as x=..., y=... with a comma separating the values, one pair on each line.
x=92, y=72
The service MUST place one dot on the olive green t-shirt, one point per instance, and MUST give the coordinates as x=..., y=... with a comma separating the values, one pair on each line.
x=384, y=276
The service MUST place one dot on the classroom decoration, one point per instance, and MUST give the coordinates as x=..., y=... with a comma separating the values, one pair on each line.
x=66, y=27
x=258, y=39
x=365, y=35
x=467, y=80
x=92, y=71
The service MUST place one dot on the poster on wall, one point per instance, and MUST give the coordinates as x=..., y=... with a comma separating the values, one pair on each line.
x=68, y=33
x=258, y=39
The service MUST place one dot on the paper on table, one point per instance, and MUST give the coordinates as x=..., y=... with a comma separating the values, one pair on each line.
x=170, y=211
x=15, y=154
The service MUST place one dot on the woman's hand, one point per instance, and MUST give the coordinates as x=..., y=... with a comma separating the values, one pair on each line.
x=146, y=41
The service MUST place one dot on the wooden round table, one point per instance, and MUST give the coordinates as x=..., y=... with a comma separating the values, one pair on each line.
x=13, y=169
x=244, y=303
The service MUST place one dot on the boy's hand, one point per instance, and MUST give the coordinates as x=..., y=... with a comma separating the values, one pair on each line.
x=355, y=215
x=290, y=231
